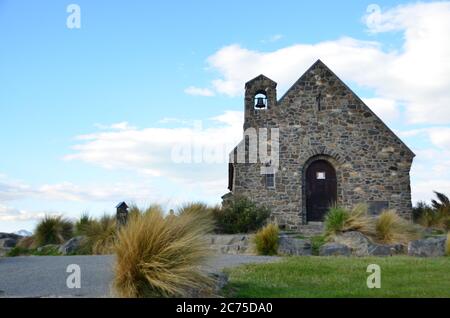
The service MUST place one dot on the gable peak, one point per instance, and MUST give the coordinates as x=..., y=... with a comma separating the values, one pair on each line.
x=259, y=78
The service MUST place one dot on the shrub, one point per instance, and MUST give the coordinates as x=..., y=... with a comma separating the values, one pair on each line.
x=135, y=211
x=429, y=218
x=335, y=220
x=437, y=215
x=359, y=220
x=49, y=250
x=391, y=228
x=26, y=242
x=266, y=240
x=420, y=210
x=339, y=220
x=83, y=223
x=239, y=215
x=316, y=242
x=18, y=250
x=194, y=207
x=100, y=236
x=52, y=230
x=159, y=256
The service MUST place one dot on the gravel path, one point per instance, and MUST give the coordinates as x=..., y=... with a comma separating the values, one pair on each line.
x=45, y=276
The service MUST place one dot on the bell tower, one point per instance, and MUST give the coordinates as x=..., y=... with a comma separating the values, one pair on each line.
x=260, y=100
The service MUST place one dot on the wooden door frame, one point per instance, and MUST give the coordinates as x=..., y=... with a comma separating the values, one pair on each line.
x=335, y=164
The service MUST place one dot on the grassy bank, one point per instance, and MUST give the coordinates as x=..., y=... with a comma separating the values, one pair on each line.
x=341, y=277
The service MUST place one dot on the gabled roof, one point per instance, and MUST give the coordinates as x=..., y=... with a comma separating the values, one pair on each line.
x=122, y=205
x=259, y=77
x=316, y=63
x=319, y=63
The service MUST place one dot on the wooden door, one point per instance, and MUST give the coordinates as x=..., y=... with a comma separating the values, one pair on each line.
x=321, y=189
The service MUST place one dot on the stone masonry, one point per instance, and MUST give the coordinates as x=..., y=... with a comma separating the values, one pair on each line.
x=320, y=118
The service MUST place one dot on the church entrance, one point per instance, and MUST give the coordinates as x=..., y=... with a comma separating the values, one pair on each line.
x=321, y=189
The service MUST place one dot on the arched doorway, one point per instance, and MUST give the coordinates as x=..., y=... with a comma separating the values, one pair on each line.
x=321, y=189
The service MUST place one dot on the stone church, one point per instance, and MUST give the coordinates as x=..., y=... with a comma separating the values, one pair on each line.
x=332, y=149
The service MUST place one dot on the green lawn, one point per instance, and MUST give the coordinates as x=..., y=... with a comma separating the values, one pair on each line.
x=341, y=277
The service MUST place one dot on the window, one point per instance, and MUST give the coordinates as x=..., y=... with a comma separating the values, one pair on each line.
x=260, y=100
x=320, y=175
x=318, y=101
x=270, y=180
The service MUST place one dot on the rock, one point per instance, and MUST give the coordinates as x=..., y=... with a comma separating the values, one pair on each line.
x=430, y=247
x=359, y=244
x=232, y=243
x=71, y=245
x=10, y=235
x=220, y=280
x=4, y=251
x=294, y=246
x=398, y=249
x=7, y=242
x=380, y=250
x=334, y=249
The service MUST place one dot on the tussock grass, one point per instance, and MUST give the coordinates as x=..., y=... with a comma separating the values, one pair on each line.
x=161, y=256
x=26, y=242
x=339, y=220
x=387, y=228
x=435, y=216
x=391, y=228
x=266, y=240
x=83, y=223
x=194, y=207
x=52, y=230
x=335, y=220
x=100, y=235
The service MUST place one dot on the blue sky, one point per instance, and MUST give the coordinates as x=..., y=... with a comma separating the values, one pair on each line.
x=83, y=109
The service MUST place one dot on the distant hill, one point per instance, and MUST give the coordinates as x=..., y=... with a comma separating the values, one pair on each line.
x=23, y=233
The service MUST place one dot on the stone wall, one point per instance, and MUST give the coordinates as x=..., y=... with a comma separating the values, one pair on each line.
x=372, y=165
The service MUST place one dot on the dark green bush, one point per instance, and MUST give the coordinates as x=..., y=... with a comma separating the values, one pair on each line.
x=239, y=215
x=421, y=210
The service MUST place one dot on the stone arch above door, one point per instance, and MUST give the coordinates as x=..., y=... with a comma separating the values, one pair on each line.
x=334, y=160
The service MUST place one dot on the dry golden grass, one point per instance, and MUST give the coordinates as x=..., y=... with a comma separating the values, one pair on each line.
x=359, y=220
x=161, y=257
x=266, y=240
x=26, y=242
x=339, y=220
x=391, y=228
x=100, y=235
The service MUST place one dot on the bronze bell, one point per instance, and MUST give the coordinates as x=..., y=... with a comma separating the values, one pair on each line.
x=260, y=102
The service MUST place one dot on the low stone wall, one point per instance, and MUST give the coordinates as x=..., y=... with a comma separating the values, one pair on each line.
x=232, y=243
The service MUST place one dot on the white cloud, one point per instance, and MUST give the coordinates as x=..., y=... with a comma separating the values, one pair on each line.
x=438, y=136
x=417, y=76
x=12, y=190
x=386, y=109
x=13, y=214
x=273, y=38
x=191, y=156
x=118, y=126
x=430, y=171
x=198, y=91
